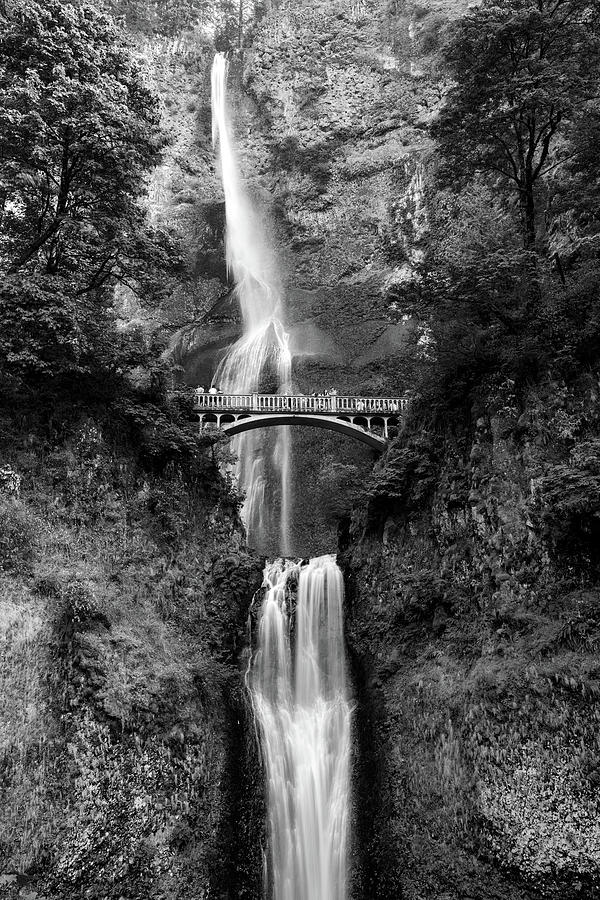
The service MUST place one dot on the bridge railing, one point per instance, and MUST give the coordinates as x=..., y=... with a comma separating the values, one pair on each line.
x=299, y=403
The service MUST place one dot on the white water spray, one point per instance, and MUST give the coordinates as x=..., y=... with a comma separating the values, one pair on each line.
x=263, y=349
x=304, y=718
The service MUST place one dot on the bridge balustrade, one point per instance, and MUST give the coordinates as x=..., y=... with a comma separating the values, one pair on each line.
x=321, y=403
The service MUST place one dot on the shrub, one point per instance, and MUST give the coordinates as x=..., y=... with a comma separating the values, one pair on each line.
x=431, y=33
x=16, y=534
x=570, y=500
x=405, y=480
x=10, y=481
x=81, y=604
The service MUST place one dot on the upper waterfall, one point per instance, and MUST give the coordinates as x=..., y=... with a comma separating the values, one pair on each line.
x=263, y=349
x=250, y=261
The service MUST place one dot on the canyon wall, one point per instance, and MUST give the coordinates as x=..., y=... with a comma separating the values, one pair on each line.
x=472, y=569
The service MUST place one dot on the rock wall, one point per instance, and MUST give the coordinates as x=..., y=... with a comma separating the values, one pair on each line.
x=473, y=627
x=129, y=768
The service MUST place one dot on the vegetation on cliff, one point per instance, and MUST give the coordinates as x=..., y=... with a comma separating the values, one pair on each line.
x=123, y=592
x=473, y=556
x=508, y=281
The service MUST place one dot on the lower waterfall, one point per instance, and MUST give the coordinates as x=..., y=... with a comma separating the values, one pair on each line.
x=297, y=682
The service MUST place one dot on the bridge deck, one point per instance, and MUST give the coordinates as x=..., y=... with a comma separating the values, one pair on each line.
x=323, y=404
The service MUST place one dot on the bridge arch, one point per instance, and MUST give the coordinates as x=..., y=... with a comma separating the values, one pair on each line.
x=350, y=429
x=366, y=419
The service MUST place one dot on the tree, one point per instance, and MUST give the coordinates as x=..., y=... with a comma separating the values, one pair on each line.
x=171, y=18
x=165, y=17
x=577, y=185
x=78, y=134
x=523, y=69
x=469, y=301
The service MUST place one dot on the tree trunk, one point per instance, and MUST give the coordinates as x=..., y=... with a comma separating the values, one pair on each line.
x=527, y=206
x=33, y=248
x=528, y=222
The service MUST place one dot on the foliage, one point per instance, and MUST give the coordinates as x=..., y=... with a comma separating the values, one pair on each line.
x=515, y=151
x=80, y=601
x=162, y=433
x=404, y=481
x=47, y=332
x=121, y=646
x=17, y=534
x=523, y=69
x=78, y=134
x=171, y=18
x=430, y=32
x=146, y=789
x=471, y=297
x=159, y=17
x=570, y=498
x=10, y=481
x=576, y=187
x=545, y=821
x=339, y=483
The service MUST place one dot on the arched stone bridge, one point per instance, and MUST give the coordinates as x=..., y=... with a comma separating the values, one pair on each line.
x=358, y=417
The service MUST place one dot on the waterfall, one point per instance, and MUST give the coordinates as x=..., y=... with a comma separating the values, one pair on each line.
x=301, y=705
x=262, y=352
x=299, y=700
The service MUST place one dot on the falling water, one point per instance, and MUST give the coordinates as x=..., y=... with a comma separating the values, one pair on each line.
x=301, y=705
x=299, y=699
x=262, y=351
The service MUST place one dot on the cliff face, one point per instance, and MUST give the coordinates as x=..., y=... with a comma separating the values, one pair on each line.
x=127, y=766
x=473, y=627
x=330, y=104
